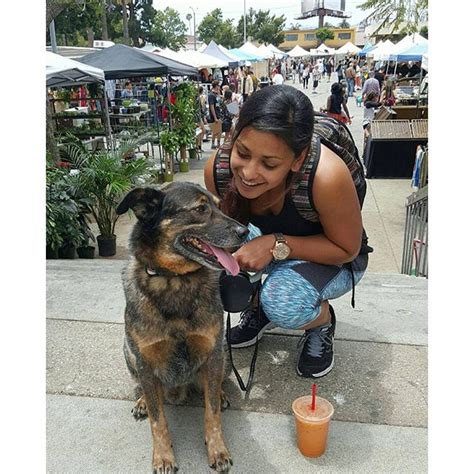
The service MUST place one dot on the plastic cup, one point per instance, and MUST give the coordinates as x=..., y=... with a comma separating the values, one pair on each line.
x=312, y=427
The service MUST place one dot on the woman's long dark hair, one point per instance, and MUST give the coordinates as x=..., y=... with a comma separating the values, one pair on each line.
x=282, y=110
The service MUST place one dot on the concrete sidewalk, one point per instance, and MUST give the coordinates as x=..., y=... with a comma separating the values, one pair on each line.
x=378, y=385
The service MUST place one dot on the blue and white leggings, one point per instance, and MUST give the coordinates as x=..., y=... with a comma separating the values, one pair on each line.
x=293, y=291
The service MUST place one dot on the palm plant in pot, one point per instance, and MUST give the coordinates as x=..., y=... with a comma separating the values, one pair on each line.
x=184, y=120
x=103, y=178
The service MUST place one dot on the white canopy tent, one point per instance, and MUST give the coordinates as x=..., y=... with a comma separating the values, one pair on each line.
x=265, y=51
x=63, y=72
x=194, y=58
x=250, y=48
x=324, y=50
x=298, y=52
x=348, y=48
x=278, y=52
x=382, y=51
x=202, y=48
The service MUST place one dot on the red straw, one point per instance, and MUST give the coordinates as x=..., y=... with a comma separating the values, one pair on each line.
x=313, y=402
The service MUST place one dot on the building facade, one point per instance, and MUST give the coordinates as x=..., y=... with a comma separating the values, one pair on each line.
x=307, y=38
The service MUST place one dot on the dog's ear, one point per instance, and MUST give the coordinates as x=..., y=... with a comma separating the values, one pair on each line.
x=144, y=202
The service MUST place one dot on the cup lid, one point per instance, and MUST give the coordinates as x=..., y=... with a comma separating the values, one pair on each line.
x=302, y=408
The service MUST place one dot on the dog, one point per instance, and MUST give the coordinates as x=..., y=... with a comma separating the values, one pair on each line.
x=174, y=332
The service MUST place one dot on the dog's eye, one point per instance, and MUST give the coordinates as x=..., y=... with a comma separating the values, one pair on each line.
x=201, y=208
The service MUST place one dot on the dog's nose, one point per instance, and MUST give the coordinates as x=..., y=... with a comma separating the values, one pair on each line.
x=241, y=231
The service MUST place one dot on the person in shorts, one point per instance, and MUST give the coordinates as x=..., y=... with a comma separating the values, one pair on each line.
x=214, y=100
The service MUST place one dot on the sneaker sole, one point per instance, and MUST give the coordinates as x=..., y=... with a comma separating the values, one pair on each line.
x=319, y=374
x=253, y=341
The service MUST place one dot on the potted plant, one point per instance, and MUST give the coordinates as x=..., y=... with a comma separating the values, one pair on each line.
x=60, y=207
x=183, y=113
x=85, y=249
x=102, y=179
x=170, y=143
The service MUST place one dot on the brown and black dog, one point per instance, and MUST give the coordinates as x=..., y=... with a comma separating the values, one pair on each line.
x=174, y=315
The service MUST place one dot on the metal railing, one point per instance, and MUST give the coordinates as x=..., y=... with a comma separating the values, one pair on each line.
x=415, y=243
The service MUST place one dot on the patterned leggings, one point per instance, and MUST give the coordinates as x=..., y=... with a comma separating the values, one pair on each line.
x=293, y=291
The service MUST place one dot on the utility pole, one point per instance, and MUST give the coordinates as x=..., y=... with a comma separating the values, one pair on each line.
x=52, y=35
x=194, y=26
x=245, y=23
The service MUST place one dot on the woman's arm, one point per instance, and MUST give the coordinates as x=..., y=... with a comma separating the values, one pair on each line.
x=328, y=104
x=346, y=110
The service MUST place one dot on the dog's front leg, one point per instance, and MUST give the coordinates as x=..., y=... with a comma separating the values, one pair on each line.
x=163, y=457
x=212, y=374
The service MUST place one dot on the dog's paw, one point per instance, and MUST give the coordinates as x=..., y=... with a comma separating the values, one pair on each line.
x=225, y=402
x=220, y=461
x=164, y=465
x=167, y=468
x=139, y=411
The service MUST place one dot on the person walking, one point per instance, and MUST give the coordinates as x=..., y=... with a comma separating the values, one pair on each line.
x=336, y=105
x=246, y=85
x=315, y=78
x=329, y=67
x=371, y=85
x=388, y=97
x=350, y=79
x=214, y=100
x=305, y=76
x=311, y=259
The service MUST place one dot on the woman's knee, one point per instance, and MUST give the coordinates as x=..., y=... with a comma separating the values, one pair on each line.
x=290, y=303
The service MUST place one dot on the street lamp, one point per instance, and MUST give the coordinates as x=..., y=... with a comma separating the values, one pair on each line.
x=194, y=23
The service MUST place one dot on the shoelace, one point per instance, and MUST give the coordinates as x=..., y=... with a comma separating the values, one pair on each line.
x=320, y=341
x=248, y=318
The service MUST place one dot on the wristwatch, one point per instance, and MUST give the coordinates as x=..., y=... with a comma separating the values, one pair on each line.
x=281, y=249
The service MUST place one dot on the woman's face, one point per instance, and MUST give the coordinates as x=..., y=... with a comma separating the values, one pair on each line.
x=261, y=161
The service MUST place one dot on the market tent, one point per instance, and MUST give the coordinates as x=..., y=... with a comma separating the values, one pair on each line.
x=298, y=52
x=121, y=61
x=213, y=50
x=251, y=49
x=383, y=51
x=322, y=49
x=242, y=56
x=202, y=48
x=234, y=57
x=348, y=48
x=414, y=53
x=265, y=51
x=367, y=48
x=194, y=58
x=278, y=52
x=63, y=72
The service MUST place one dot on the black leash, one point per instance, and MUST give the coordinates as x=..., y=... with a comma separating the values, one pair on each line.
x=244, y=387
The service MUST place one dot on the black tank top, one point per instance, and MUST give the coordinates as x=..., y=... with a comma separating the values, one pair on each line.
x=289, y=221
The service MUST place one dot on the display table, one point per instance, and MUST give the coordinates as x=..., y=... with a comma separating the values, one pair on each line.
x=391, y=158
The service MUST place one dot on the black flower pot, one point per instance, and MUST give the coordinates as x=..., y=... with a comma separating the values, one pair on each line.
x=86, y=252
x=67, y=251
x=50, y=253
x=107, y=246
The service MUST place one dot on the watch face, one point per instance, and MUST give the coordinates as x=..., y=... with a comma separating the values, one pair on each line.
x=281, y=251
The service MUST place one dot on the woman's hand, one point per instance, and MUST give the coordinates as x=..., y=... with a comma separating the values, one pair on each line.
x=256, y=254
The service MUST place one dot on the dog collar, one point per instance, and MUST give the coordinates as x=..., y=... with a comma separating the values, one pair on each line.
x=159, y=272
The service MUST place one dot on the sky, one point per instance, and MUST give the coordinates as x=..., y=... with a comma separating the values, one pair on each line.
x=235, y=9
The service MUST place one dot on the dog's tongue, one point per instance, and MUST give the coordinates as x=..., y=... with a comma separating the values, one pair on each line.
x=224, y=258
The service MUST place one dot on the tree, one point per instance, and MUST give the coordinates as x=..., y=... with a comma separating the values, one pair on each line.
x=213, y=27
x=344, y=24
x=424, y=31
x=168, y=31
x=295, y=26
x=323, y=34
x=263, y=27
x=396, y=12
